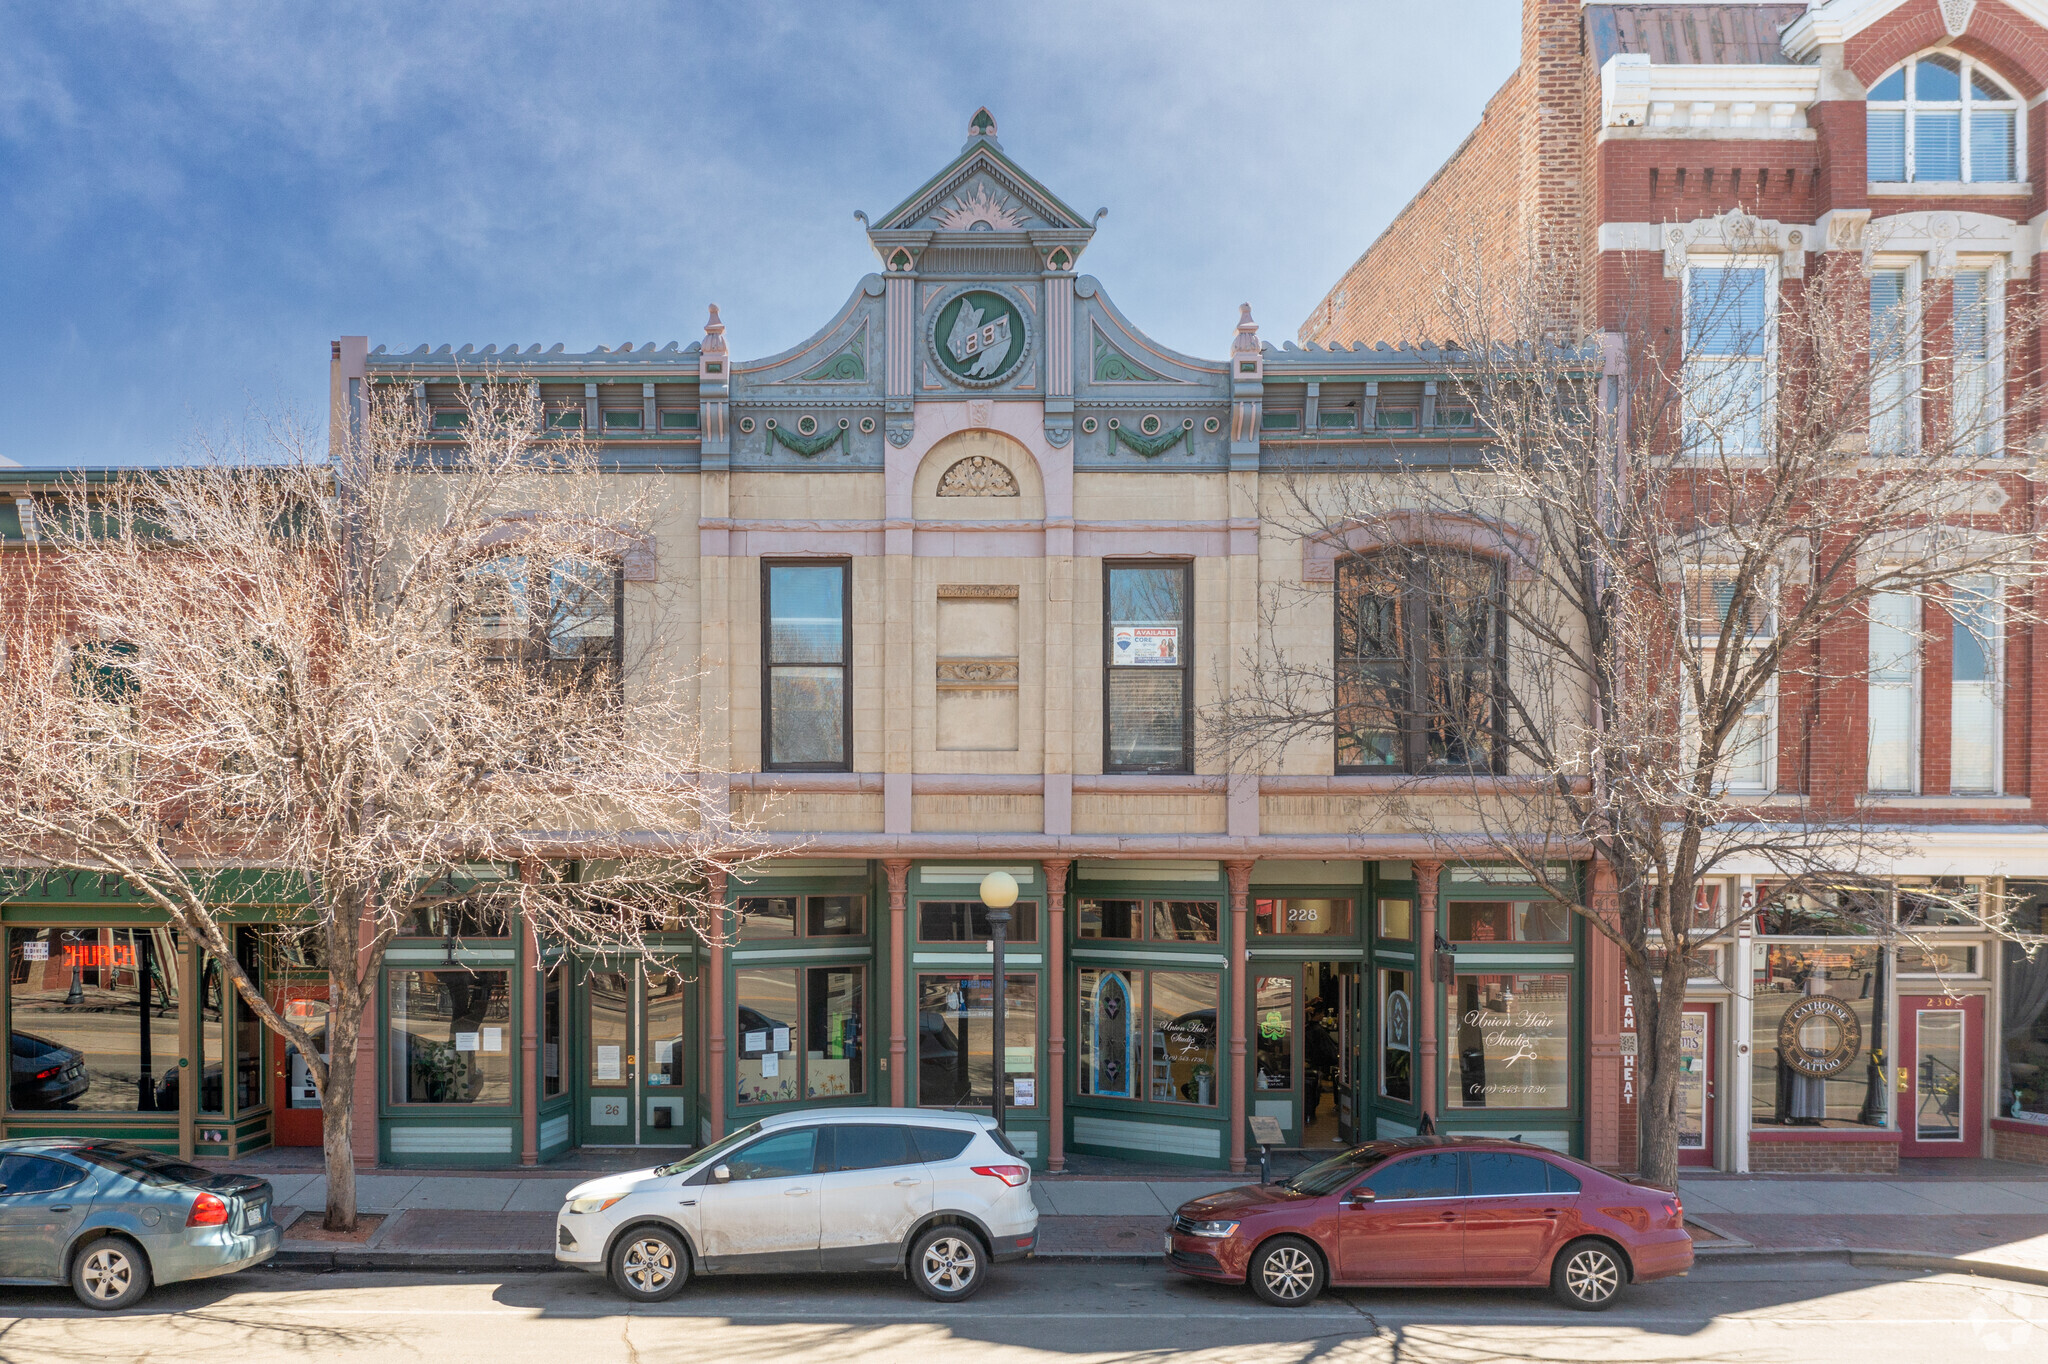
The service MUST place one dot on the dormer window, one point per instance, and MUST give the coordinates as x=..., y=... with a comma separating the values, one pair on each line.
x=1943, y=117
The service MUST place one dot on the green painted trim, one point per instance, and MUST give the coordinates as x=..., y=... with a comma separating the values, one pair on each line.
x=1113, y=957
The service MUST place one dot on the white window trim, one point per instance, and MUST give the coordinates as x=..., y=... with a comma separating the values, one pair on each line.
x=1771, y=265
x=1911, y=105
x=1916, y=342
x=1997, y=666
x=1768, y=783
x=1915, y=687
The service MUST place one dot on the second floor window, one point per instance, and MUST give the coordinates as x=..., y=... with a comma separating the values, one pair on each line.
x=806, y=704
x=1894, y=364
x=1419, y=652
x=1943, y=117
x=1894, y=692
x=1979, y=371
x=1146, y=700
x=1974, y=649
x=563, y=616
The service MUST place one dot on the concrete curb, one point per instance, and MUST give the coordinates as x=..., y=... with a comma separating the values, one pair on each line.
x=361, y=1259
x=1877, y=1258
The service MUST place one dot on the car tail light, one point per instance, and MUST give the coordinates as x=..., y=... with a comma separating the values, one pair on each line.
x=208, y=1210
x=1674, y=1214
x=49, y=1074
x=1013, y=1175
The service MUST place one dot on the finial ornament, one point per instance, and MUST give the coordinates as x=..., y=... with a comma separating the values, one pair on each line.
x=983, y=124
x=714, y=334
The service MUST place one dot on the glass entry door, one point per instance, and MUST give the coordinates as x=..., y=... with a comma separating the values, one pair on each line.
x=1307, y=1076
x=1696, y=1075
x=635, y=1041
x=1940, y=1105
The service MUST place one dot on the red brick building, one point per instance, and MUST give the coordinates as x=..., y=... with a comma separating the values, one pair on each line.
x=1634, y=146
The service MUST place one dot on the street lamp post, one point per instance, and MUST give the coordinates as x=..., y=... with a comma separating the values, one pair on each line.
x=999, y=892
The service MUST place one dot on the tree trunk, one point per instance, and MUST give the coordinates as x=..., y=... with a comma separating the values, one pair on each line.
x=1657, y=1106
x=337, y=1107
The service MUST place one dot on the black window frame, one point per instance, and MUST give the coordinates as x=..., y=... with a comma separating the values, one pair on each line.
x=845, y=666
x=1185, y=649
x=1414, y=710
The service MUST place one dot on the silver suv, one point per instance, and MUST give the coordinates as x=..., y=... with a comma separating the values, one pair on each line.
x=936, y=1196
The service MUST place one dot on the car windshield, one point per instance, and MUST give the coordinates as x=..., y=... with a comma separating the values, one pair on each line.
x=696, y=1160
x=1326, y=1177
x=146, y=1167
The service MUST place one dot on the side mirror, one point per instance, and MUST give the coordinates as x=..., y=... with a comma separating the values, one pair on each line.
x=1358, y=1197
x=721, y=1173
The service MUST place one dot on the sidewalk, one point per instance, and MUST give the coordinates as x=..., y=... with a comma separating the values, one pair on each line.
x=504, y=1220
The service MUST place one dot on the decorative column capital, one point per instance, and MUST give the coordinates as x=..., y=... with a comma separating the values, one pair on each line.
x=898, y=870
x=1239, y=875
x=1056, y=870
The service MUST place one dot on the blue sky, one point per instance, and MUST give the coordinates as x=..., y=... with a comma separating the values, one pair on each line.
x=196, y=197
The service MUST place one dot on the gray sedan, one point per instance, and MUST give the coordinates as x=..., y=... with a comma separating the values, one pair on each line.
x=110, y=1218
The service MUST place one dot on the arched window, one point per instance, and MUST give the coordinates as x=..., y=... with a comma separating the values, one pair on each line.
x=1941, y=117
x=1420, y=640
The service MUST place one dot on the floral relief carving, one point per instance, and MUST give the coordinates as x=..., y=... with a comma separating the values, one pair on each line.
x=978, y=476
x=998, y=673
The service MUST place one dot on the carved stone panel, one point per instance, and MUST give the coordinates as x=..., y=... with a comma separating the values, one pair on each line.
x=978, y=476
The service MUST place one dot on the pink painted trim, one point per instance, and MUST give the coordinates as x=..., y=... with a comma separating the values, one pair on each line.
x=835, y=783
x=976, y=784
x=1378, y=784
x=1136, y=544
x=1824, y=1135
x=1495, y=539
x=1023, y=422
x=1145, y=784
x=1037, y=847
x=756, y=544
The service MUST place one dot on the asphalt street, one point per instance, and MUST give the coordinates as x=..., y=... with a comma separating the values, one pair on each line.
x=1038, y=1312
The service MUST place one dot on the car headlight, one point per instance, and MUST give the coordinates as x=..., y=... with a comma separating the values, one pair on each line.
x=593, y=1204
x=1209, y=1228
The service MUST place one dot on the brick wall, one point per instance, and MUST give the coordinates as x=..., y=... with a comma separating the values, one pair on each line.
x=2026, y=1142
x=1823, y=1157
x=1392, y=291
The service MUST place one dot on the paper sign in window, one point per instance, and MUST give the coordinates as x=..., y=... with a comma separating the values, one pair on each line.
x=467, y=1041
x=607, y=1063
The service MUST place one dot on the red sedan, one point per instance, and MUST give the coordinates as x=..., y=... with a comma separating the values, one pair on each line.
x=1436, y=1211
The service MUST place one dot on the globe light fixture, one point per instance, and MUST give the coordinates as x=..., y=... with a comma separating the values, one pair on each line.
x=999, y=892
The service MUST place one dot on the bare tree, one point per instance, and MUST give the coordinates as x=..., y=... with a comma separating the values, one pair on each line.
x=365, y=674
x=1631, y=626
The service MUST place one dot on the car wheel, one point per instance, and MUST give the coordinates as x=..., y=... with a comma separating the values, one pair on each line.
x=650, y=1264
x=1287, y=1272
x=1588, y=1276
x=110, y=1274
x=946, y=1264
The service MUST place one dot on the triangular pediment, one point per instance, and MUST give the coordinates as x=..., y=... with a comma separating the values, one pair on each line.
x=981, y=191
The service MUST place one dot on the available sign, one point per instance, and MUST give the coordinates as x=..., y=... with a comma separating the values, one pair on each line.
x=1146, y=646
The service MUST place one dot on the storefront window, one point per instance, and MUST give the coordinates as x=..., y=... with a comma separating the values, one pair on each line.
x=955, y=1051
x=94, y=1019
x=450, y=1034
x=967, y=921
x=1169, y=920
x=1273, y=1014
x=1178, y=1010
x=1514, y=1040
x=1397, y=919
x=460, y=919
x=764, y=917
x=1507, y=921
x=1302, y=918
x=2023, y=1011
x=249, y=1030
x=802, y=1032
x=552, y=1008
x=1818, y=1046
x=1397, y=1035
x=213, y=1004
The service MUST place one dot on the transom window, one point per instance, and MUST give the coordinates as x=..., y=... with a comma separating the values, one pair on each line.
x=1419, y=652
x=1943, y=117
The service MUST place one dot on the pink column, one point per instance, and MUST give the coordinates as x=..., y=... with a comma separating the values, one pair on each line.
x=898, y=869
x=362, y=1132
x=1426, y=874
x=1237, y=979
x=1056, y=992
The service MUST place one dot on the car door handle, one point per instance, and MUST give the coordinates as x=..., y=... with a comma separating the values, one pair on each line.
x=908, y=1183
x=1450, y=1217
x=794, y=1193
x=61, y=1207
